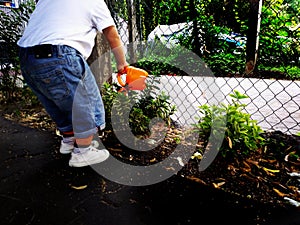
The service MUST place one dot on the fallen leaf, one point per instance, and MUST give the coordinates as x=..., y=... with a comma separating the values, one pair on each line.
x=196, y=179
x=279, y=192
x=269, y=160
x=152, y=160
x=79, y=188
x=294, y=188
x=218, y=185
x=246, y=164
x=229, y=142
x=252, y=162
x=196, y=155
x=270, y=170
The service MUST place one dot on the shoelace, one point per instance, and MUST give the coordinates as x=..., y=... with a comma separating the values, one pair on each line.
x=94, y=149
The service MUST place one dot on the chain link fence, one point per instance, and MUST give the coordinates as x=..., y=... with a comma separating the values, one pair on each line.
x=252, y=47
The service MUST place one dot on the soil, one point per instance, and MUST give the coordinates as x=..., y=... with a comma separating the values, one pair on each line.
x=269, y=176
x=265, y=176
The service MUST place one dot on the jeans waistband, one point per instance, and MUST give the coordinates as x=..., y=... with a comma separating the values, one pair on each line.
x=57, y=50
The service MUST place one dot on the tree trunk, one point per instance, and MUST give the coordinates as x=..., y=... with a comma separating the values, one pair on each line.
x=253, y=35
x=100, y=60
x=132, y=31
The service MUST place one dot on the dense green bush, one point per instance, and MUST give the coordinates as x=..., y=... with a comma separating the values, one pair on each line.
x=11, y=27
x=279, y=40
x=241, y=134
x=279, y=48
x=135, y=109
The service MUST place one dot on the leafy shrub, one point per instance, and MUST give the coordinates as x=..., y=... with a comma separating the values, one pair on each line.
x=241, y=134
x=176, y=60
x=225, y=63
x=135, y=109
x=11, y=27
x=279, y=42
x=157, y=68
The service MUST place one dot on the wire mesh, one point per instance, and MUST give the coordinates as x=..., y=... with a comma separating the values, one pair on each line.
x=272, y=87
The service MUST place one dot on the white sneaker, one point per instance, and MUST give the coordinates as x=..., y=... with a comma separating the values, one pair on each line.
x=67, y=145
x=66, y=148
x=89, y=157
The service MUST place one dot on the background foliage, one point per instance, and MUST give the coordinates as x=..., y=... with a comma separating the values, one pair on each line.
x=11, y=27
x=279, y=36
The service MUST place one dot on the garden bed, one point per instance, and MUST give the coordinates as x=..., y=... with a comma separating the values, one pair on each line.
x=269, y=175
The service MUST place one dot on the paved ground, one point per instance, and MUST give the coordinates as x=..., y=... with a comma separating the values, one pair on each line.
x=273, y=103
x=36, y=189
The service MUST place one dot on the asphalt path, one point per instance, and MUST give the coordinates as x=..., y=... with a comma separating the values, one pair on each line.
x=37, y=187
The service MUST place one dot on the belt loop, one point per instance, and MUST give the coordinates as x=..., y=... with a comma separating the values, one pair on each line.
x=25, y=53
x=59, y=51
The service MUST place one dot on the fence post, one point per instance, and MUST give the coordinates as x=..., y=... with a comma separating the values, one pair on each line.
x=132, y=30
x=195, y=32
x=100, y=60
x=253, y=35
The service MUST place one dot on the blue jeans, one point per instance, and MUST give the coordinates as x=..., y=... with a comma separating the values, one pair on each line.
x=67, y=89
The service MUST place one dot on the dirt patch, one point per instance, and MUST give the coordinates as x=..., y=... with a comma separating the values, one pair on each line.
x=268, y=176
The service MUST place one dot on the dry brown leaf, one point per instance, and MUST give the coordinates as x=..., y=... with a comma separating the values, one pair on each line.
x=294, y=188
x=152, y=160
x=279, y=192
x=246, y=164
x=269, y=160
x=218, y=185
x=247, y=170
x=229, y=142
x=196, y=179
x=115, y=149
x=247, y=167
x=252, y=162
x=79, y=188
x=270, y=170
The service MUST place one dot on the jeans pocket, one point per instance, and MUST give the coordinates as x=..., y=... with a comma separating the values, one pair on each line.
x=53, y=85
x=76, y=64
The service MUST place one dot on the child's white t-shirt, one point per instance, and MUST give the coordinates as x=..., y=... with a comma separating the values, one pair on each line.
x=67, y=22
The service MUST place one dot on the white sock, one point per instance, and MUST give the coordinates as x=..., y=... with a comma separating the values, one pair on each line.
x=80, y=150
x=69, y=140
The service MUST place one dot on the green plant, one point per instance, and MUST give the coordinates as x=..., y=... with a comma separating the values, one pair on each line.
x=225, y=63
x=135, y=109
x=241, y=134
x=177, y=140
x=177, y=60
x=292, y=72
x=158, y=106
x=11, y=27
x=279, y=42
x=294, y=156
